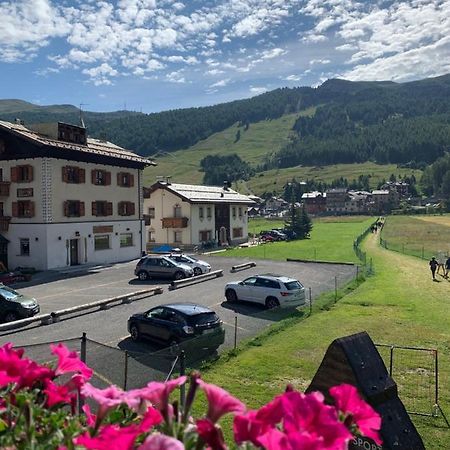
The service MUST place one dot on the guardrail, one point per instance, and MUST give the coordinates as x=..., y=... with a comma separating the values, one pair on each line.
x=55, y=316
x=243, y=266
x=193, y=280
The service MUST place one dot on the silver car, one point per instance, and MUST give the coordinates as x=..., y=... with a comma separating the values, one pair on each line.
x=157, y=266
x=268, y=289
x=197, y=265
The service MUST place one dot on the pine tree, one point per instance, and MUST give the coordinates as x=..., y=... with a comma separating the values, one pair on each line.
x=305, y=225
x=292, y=221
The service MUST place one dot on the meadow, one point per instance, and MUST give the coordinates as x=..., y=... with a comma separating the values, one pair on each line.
x=399, y=305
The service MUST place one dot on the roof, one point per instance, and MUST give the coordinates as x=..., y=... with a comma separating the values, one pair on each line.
x=274, y=276
x=189, y=309
x=203, y=194
x=313, y=194
x=380, y=192
x=93, y=146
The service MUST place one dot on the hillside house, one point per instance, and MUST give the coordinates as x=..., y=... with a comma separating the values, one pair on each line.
x=314, y=202
x=335, y=200
x=384, y=200
x=66, y=199
x=184, y=215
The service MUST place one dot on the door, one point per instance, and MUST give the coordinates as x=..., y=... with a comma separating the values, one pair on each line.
x=246, y=290
x=74, y=261
x=157, y=324
x=3, y=256
x=222, y=220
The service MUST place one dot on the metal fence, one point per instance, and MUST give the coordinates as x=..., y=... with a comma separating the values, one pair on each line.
x=362, y=256
x=415, y=249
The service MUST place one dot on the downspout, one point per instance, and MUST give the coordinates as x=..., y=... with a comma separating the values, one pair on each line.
x=140, y=218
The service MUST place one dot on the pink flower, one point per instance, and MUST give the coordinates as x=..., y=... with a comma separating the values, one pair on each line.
x=220, y=402
x=248, y=427
x=349, y=402
x=151, y=418
x=211, y=434
x=107, y=398
x=159, y=441
x=110, y=437
x=91, y=419
x=58, y=394
x=69, y=362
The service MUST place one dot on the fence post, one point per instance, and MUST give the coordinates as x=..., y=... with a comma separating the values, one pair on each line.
x=125, y=371
x=371, y=266
x=83, y=358
x=391, y=362
x=335, y=288
x=183, y=386
x=422, y=252
x=235, y=331
x=403, y=248
x=436, y=369
x=357, y=272
x=310, y=301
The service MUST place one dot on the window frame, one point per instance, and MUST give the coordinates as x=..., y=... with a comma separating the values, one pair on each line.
x=23, y=244
x=102, y=236
x=177, y=234
x=127, y=243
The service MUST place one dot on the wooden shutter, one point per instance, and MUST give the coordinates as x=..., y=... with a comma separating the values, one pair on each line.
x=66, y=208
x=93, y=172
x=131, y=183
x=120, y=208
x=132, y=209
x=81, y=208
x=64, y=174
x=15, y=209
x=94, y=208
x=109, y=208
x=31, y=209
x=107, y=178
x=119, y=179
x=30, y=171
x=81, y=175
x=14, y=174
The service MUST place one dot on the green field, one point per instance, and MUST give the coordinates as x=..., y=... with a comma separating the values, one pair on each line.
x=399, y=305
x=330, y=241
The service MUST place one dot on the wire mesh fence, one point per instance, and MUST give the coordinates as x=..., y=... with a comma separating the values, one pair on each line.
x=416, y=249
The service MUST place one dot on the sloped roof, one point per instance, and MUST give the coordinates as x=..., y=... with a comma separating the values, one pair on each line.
x=93, y=146
x=203, y=194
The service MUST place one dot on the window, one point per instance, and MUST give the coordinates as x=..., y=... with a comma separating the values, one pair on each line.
x=102, y=208
x=200, y=212
x=1, y=174
x=205, y=236
x=101, y=242
x=233, y=209
x=1, y=209
x=177, y=211
x=126, y=209
x=101, y=177
x=237, y=232
x=208, y=212
x=23, y=209
x=71, y=174
x=151, y=238
x=125, y=179
x=24, y=247
x=126, y=239
x=73, y=208
x=177, y=237
x=22, y=174
x=240, y=212
x=151, y=212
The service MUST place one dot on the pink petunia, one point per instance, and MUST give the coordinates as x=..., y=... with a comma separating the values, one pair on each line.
x=107, y=399
x=211, y=434
x=58, y=394
x=350, y=403
x=220, y=402
x=151, y=418
x=91, y=418
x=70, y=362
x=110, y=437
x=248, y=427
x=159, y=441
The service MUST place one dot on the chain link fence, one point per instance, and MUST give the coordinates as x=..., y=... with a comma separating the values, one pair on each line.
x=416, y=249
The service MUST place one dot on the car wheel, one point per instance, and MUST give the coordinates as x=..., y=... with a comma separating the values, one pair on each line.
x=143, y=275
x=11, y=317
x=272, y=303
x=231, y=296
x=197, y=271
x=134, y=333
x=178, y=275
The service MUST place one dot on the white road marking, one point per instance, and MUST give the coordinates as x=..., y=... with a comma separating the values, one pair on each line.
x=232, y=326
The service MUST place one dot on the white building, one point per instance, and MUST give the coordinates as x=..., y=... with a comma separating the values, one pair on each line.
x=184, y=215
x=66, y=199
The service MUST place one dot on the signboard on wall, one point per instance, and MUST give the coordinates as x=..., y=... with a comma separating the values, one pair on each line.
x=101, y=229
x=25, y=192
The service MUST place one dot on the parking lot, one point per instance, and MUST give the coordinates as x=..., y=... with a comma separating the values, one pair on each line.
x=109, y=327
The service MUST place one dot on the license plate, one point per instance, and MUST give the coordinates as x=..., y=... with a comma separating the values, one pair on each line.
x=208, y=331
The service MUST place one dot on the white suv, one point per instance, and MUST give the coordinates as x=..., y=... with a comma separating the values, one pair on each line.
x=268, y=289
x=197, y=265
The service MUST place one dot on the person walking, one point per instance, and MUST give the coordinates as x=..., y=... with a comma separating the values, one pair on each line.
x=433, y=266
x=447, y=267
x=441, y=263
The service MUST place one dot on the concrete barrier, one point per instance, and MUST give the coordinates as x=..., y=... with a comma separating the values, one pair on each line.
x=243, y=266
x=194, y=280
x=45, y=319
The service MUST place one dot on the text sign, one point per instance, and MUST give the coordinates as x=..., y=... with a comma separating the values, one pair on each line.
x=101, y=229
x=25, y=192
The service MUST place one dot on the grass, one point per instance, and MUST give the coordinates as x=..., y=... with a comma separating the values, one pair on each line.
x=399, y=305
x=422, y=236
x=330, y=241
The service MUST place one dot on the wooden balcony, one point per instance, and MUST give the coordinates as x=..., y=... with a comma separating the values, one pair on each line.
x=175, y=222
x=4, y=223
x=4, y=188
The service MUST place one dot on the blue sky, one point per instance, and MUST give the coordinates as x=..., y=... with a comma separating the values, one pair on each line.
x=153, y=55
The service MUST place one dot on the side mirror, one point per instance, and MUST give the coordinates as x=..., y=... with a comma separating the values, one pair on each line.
x=241, y=283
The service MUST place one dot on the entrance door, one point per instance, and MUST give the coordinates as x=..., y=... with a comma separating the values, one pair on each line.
x=74, y=252
x=3, y=256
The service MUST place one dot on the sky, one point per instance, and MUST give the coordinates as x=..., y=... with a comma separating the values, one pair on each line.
x=154, y=55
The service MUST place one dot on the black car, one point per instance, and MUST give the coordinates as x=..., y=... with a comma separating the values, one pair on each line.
x=179, y=322
x=15, y=306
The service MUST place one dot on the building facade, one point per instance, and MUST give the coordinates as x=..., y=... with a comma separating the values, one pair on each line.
x=185, y=215
x=66, y=199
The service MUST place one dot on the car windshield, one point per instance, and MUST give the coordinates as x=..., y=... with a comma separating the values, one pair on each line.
x=293, y=285
x=192, y=257
x=201, y=319
x=9, y=294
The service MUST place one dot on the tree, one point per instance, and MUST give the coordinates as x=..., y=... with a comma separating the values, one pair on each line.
x=292, y=222
x=305, y=224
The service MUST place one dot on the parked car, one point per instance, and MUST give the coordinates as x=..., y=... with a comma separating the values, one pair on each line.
x=12, y=277
x=179, y=322
x=267, y=238
x=278, y=235
x=268, y=289
x=197, y=265
x=160, y=266
x=15, y=306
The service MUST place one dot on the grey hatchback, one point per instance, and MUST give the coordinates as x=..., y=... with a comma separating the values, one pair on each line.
x=158, y=266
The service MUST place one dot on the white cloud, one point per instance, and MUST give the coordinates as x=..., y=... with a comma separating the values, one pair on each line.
x=220, y=83
x=258, y=90
x=292, y=78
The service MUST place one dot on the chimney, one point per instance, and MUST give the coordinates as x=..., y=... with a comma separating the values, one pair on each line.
x=226, y=185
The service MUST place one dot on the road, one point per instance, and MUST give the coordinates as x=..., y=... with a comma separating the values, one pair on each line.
x=109, y=327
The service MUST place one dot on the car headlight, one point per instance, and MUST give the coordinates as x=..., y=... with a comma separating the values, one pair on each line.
x=188, y=330
x=29, y=305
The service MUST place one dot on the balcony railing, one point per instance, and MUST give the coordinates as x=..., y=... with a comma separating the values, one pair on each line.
x=175, y=222
x=4, y=223
x=4, y=188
